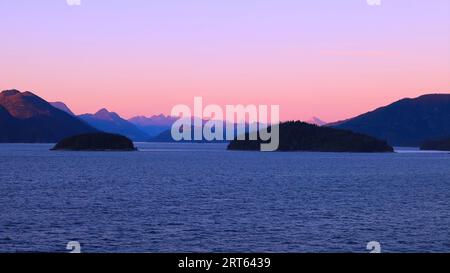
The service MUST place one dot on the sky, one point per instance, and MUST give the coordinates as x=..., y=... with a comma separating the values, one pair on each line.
x=326, y=58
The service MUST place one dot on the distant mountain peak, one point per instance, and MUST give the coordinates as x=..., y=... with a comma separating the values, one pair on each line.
x=111, y=122
x=160, y=116
x=153, y=125
x=316, y=121
x=107, y=115
x=102, y=111
x=155, y=120
x=62, y=106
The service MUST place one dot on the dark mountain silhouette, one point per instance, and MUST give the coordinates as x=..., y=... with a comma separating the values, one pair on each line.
x=62, y=106
x=27, y=118
x=111, y=122
x=436, y=145
x=301, y=136
x=95, y=142
x=408, y=122
x=8, y=127
x=336, y=123
x=4, y=114
x=153, y=125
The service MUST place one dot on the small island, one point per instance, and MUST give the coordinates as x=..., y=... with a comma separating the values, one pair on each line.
x=301, y=136
x=436, y=145
x=95, y=142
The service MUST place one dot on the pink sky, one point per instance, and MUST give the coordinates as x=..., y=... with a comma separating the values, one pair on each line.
x=331, y=59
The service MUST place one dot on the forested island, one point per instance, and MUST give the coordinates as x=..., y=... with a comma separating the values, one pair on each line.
x=300, y=136
x=95, y=142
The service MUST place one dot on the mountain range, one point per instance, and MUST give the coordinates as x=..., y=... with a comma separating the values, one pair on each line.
x=25, y=117
x=407, y=122
x=154, y=125
x=111, y=122
x=139, y=128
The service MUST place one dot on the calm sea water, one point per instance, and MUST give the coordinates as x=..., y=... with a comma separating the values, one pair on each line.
x=200, y=197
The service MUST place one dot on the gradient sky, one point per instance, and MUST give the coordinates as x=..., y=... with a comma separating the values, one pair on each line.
x=326, y=58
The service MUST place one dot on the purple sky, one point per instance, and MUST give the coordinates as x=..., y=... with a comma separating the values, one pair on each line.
x=333, y=59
